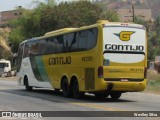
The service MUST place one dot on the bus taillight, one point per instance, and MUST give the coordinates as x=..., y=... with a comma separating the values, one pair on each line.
x=100, y=72
x=145, y=72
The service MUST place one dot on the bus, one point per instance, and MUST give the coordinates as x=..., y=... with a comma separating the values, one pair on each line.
x=104, y=59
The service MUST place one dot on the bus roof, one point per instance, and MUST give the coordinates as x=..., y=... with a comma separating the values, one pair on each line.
x=107, y=23
x=98, y=23
x=59, y=31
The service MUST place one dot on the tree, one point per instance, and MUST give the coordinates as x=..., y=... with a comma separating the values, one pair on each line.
x=154, y=39
x=110, y=16
x=5, y=52
x=49, y=16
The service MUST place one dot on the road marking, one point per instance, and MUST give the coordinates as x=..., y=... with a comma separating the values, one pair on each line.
x=89, y=105
x=98, y=106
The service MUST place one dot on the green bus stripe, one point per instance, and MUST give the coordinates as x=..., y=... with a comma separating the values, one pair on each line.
x=41, y=69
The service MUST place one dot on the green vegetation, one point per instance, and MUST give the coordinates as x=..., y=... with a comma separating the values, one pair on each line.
x=153, y=34
x=153, y=83
x=4, y=49
x=154, y=40
x=50, y=16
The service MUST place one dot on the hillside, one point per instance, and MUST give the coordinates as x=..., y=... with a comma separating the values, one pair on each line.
x=4, y=48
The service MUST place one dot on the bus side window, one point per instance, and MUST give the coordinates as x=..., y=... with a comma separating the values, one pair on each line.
x=34, y=49
x=26, y=50
x=42, y=47
x=51, y=45
x=92, y=38
x=70, y=42
x=74, y=42
x=19, y=56
x=59, y=45
x=65, y=43
x=82, y=40
x=20, y=51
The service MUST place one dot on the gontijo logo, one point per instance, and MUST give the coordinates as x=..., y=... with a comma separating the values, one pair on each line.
x=124, y=35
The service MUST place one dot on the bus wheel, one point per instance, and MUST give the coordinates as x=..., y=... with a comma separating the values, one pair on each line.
x=75, y=90
x=101, y=95
x=65, y=88
x=28, y=88
x=115, y=95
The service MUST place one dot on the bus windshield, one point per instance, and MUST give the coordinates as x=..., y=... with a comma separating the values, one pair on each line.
x=2, y=65
x=124, y=44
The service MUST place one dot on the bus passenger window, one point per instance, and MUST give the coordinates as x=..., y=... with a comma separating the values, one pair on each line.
x=66, y=42
x=42, y=47
x=26, y=50
x=92, y=38
x=19, y=57
x=59, y=45
x=51, y=46
x=70, y=42
x=34, y=49
x=82, y=40
x=74, y=42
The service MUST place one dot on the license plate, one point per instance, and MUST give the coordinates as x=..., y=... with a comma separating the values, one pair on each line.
x=124, y=80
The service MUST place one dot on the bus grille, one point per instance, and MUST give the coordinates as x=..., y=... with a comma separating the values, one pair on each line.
x=89, y=79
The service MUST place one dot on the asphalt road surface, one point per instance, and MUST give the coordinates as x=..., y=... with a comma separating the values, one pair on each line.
x=15, y=98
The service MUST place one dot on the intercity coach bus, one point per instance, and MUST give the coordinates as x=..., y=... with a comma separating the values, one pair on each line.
x=105, y=58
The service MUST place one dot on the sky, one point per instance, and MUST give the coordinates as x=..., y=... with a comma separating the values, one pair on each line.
x=6, y=5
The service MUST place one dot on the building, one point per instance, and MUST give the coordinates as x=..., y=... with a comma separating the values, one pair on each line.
x=142, y=1
x=137, y=1
x=126, y=15
x=5, y=16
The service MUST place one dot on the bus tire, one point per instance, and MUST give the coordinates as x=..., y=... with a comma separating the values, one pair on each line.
x=28, y=88
x=66, y=88
x=115, y=95
x=75, y=90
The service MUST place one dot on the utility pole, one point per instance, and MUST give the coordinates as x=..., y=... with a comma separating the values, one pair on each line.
x=132, y=11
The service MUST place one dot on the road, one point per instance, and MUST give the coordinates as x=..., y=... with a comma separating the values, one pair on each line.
x=15, y=98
